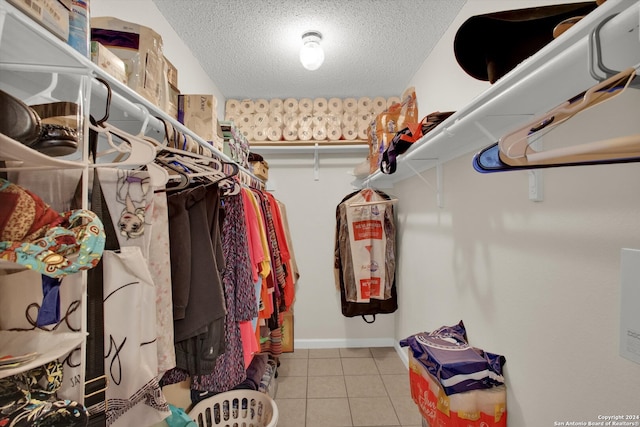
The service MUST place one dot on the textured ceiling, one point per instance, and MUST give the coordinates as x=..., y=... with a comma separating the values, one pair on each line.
x=250, y=48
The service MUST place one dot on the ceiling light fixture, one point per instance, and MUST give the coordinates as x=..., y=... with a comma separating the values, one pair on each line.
x=311, y=53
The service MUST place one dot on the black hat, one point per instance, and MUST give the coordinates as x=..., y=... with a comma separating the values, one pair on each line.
x=489, y=46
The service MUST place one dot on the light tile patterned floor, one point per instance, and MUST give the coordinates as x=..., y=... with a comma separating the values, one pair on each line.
x=345, y=387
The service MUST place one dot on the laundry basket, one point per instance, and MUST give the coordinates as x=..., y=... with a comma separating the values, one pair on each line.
x=236, y=408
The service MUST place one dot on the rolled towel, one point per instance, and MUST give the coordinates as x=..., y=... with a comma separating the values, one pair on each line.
x=364, y=104
x=290, y=105
x=379, y=104
x=232, y=106
x=305, y=105
x=334, y=119
x=274, y=133
x=246, y=131
x=259, y=134
x=319, y=119
x=261, y=106
x=247, y=106
x=335, y=106
x=320, y=106
x=245, y=120
x=334, y=133
x=290, y=133
x=349, y=133
x=304, y=133
x=350, y=105
x=349, y=119
x=276, y=105
x=319, y=133
x=364, y=119
x=393, y=100
x=305, y=120
x=363, y=132
x=290, y=120
x=261, y=120
x=276, y=120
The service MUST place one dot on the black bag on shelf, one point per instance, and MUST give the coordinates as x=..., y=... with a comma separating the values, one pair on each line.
x=403, y=140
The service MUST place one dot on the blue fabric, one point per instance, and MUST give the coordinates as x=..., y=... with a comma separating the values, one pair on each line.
x=49, y=312
x=179, y=418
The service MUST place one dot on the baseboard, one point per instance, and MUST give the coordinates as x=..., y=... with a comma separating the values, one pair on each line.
x=344, y=343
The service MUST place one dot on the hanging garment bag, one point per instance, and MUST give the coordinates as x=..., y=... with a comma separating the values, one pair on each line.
x=365, y=255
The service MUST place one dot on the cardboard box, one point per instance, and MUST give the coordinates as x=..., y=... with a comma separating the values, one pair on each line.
x=198, y=113
x=51, y=14
x=172, y=73
x=477, y=408
x=108, y=61
x=260, y=169
x=141, y=50
x=172, y=102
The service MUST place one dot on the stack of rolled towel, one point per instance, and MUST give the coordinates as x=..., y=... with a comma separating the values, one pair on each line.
x=306, y=119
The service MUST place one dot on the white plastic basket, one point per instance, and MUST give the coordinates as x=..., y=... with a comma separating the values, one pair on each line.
x=236, y=408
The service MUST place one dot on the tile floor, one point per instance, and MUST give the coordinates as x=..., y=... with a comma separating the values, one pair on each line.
x=345, y=387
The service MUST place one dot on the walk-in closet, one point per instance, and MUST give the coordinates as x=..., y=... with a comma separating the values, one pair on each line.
x=445, y=238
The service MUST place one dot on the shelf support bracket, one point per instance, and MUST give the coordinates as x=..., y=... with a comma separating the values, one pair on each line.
x=486, y=132
x=439, y=181
x=316, y=163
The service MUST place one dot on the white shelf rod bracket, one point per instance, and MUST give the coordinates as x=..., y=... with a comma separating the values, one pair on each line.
x=439, y=181
x=316, y=163
x=486, y=132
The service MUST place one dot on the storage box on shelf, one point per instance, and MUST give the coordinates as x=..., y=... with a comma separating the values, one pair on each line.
x=51, y=14
x=198, y=113
x=139, y=47
x=108, y=61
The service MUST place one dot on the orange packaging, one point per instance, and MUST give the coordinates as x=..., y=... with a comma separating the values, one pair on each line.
x=388, y=123
x=477, y=408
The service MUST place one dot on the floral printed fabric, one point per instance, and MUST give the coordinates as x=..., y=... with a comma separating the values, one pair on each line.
x=80, y=232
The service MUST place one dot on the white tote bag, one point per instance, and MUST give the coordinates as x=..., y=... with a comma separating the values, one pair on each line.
x=134, y=397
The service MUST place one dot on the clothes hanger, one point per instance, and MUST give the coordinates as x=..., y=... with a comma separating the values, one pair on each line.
x=515, y=147
x=378, y=202
x=138, y=151
x=184, y=178
x=367, y=192
x=488, y=160
x=513, y=151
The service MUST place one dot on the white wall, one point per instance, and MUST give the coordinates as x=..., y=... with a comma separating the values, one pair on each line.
x=536, y=282
x=311, y=209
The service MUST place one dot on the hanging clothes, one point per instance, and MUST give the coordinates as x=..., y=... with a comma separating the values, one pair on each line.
x=364, y=256
x=229, y=368
x=160, y=269
x=293, y=274
x=198, y=298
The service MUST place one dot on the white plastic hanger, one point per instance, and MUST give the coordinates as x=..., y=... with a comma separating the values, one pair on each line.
x=515, y=149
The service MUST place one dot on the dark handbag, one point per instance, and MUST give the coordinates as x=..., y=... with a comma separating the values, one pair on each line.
x=403, y=140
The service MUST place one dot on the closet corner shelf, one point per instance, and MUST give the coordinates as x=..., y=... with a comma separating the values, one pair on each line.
x=554, y=74
x=46, y=345
x=311, y=146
